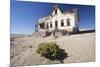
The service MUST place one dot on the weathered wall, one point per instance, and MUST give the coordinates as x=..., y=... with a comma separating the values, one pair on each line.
x=62, y=16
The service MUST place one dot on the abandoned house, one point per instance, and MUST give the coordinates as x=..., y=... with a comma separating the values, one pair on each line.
x=59, y=22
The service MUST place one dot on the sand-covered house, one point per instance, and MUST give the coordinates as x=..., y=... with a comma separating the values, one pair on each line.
x=59, y=22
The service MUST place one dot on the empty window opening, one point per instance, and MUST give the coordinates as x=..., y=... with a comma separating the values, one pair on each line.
x=50, y=24
x=56, y=11
x=62, y=22
x=42, y=26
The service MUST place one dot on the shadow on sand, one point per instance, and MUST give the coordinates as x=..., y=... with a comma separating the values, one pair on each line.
x=84, y=31
x=60, y=57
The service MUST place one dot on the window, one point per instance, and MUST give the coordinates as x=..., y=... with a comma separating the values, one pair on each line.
x=68, y=22
x=47, y=26
x=62, y=22
x=56, y=11
x=50, y=24
x=56, y=23
x=42, y=25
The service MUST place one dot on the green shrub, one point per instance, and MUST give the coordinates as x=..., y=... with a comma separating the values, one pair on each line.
x=49, y=50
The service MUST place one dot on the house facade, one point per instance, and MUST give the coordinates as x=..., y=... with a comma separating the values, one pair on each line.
x=63, y=22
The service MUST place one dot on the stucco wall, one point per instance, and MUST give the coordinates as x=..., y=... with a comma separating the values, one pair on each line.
x=61, y=16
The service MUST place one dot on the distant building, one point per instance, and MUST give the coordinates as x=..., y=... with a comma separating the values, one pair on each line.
x=59, y=21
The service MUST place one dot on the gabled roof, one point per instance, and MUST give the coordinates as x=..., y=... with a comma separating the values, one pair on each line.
x=56, y=7
x=70, y=11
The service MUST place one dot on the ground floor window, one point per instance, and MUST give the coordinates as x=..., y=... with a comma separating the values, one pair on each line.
x=47, y=26
x=56, y=24
x=68, y=22
x=50, y=24
x=62, y=22
x=42, y=26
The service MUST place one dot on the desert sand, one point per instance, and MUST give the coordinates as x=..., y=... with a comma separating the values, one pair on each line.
x=79, y=47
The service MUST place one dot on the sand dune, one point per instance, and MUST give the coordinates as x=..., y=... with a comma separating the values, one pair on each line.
x=80, y=48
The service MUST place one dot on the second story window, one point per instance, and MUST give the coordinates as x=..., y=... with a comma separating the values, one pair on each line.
x=62, y=22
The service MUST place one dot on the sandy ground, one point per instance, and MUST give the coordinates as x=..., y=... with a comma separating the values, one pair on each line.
x=80, y=48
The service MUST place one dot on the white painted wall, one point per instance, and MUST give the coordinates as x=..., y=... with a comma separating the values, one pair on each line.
x=63, y=17
x=59, y=13
x=60, y=16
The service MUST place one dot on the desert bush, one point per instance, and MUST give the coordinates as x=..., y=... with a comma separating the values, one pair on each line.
x=49, y=50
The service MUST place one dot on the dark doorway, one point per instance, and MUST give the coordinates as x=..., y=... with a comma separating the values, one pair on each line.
x=56, y=24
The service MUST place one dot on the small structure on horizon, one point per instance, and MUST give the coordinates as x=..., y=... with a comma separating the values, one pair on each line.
x=58, y=23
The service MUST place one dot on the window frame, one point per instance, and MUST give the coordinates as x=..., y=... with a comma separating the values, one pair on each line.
x=62, y=23
x=51, y=25
x=68, y=22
